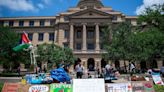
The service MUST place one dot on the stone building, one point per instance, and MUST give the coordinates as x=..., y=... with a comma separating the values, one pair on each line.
x=80, y=28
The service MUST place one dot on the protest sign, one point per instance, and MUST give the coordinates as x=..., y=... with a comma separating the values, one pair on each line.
x=119, y=87
x=88, y=85
x=39, y=88
x=60, y=88
x=142, y=86
x=157, y=79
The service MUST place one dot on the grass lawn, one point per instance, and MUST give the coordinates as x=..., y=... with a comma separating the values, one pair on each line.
x=1, y=85
x=159, y=88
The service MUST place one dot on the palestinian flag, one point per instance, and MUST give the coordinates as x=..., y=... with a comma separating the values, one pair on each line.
x=25, y=43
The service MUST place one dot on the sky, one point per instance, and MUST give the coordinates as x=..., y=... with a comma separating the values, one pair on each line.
x=16, y=8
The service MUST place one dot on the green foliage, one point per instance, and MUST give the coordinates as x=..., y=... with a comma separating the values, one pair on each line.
x=1, y=86
x=158, y=88
x=153, y=17
x=55, y=54
x=8, y=40
x=143, y=43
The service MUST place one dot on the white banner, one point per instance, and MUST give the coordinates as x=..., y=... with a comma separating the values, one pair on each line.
x=88, y=85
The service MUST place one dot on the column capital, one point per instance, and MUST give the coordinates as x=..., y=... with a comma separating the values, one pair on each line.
x=84, y=23
x=97, y=23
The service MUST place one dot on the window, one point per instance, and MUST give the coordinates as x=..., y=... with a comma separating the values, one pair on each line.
x=51, y=36
x=65, y=45
x=66, y=35
x=78, y=46
x=21, y=23
x=1, y=23
x=42, y=22
x=52, y=22
x=90, y=46
x=30, y=36
x=101, y=34
x=90, y=34
x=78, y=34
x=101, y=46
x=114, y=17
x=66, y=18
x=11, y=23
x=31, y=23
x=41, y=36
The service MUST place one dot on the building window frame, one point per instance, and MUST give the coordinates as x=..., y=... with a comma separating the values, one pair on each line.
x=78, y=46
x=42, y=22
x=66, y=34
x=65, y=44
x=11, y=23
x=40, y=36
x=30, y=36
x=90, y=34
x=90, y=46
x=78, y=34
x=51, y=36
x=31, y=23
x=21, y=23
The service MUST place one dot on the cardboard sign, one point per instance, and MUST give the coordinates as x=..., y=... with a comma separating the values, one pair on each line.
x=39, y=88
x=142, y=86
x=157, y=79
x=60, y=88
x=10, y=87
x=119, y=87
x=88, y=85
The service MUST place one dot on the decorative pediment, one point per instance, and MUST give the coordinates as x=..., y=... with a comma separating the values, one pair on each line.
x=90, y=13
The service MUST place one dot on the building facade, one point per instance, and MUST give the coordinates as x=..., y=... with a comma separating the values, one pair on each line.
x=79, y=28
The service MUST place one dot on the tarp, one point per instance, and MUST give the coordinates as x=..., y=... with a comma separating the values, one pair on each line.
x=60, y=75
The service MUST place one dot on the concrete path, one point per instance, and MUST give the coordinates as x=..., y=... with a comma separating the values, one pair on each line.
x=10, y=79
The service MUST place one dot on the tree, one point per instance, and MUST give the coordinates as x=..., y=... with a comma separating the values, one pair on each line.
x=55, y=54
x=116, y=48
x=8, y=40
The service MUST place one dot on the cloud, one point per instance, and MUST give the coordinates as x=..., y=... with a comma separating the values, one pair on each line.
x=40, y=6
x=18, y=5
x=147, y=3
x=47, y=2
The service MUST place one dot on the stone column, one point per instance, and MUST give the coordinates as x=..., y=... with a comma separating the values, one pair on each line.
x=97, y=38
x=71, y=36
x=84, y=48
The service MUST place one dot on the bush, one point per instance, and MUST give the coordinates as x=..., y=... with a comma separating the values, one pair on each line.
x=1, y=86
x=159, y=88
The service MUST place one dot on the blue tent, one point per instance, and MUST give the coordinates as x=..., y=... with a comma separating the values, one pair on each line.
x=60, y=75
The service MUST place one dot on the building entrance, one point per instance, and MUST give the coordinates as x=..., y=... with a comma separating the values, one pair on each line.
x=91, y=64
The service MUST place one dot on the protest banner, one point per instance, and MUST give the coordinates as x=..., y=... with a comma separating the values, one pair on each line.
x=60, y=88
x=88, y=85
x=119, y=87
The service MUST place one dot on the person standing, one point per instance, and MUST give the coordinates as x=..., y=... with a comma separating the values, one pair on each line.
x=79, y=70
x=132, y=68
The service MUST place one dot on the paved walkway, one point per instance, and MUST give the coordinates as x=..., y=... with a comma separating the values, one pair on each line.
x=10, y=79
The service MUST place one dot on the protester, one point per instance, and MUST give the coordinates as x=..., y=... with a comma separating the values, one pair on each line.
x=19, y=71
x=79, y=70
x=132, y=68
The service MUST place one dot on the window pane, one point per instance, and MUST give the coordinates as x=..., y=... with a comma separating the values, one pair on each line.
x=90, y=46
x=66, y=35
x=11, y=23
x=51, y=36
x=78, y=46
x=90, y=34
x=1, y=23
x=31, y=23
x=21, y=23
x=65, y=45
x=78, y=35
x=41, y=36
x=42, y=22
x=30, y=36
